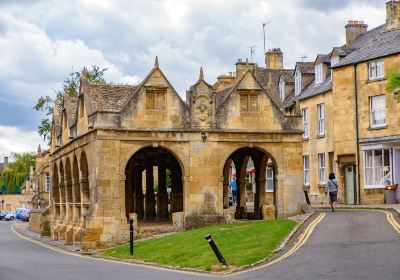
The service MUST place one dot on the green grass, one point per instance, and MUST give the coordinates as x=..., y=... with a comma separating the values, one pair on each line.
x=241, y=243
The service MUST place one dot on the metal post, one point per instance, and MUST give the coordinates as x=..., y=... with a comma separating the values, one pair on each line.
x=131, y=233
x=215, y=249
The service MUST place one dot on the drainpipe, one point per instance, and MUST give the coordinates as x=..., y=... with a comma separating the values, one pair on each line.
x=357, y=134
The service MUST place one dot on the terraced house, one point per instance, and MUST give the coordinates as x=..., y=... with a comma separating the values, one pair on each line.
x=351, y=125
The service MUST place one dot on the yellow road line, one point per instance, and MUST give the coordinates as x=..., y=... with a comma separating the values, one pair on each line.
x=148, y=266
x=302, y=239
x=392, y=221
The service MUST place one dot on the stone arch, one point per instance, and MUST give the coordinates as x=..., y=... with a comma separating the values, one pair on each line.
x=76, y=192
x=240, y=157
x=62, y=191
x=68, y=190
x=55, y=192
x=141, y=196
x=84, y=181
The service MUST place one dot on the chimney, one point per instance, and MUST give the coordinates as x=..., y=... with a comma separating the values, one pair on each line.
x=243, y=66
x=354, y=29
x=5, y=160
x=392, y=15
x=274, y=59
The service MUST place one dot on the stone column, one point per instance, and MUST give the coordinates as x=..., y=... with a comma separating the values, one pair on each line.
x=62, y=201
x=69, y=202
x=150, y=201
x=162, y=195
x=76, y=201
x=129, y=190
x=225, y=186
x=138, y=192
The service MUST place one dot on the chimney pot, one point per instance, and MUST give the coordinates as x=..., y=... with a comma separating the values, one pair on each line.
x=274, y=59
x=354, y=28
x=392, y=15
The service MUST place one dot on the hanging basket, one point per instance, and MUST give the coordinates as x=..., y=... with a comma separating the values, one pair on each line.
x=392, y=187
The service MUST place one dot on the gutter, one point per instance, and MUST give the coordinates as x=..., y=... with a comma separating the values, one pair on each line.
x=357, y=133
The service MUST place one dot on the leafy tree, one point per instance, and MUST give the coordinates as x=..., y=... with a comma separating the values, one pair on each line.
x=14, y=176
x=70, y=86
x=394, y=83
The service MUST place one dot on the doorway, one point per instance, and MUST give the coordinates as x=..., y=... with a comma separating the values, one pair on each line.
x=349, y=177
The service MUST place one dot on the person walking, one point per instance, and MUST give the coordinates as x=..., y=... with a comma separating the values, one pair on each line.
x=332, y=188
x=234, y=189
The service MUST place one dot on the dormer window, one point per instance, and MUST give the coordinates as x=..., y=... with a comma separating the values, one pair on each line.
x=319, y=74
x=334, y=61
x=282, y=89
x=297, y=82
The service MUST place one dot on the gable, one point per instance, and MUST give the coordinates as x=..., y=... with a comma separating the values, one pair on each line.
x=249, y=106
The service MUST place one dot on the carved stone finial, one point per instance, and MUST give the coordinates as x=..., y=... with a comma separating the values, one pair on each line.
x=156, y=65
x=39, y=149
x=201, y=78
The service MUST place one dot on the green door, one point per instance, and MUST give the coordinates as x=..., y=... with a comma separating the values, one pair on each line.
x=349, y=181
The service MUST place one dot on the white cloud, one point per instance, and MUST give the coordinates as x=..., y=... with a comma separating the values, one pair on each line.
x=13, y=139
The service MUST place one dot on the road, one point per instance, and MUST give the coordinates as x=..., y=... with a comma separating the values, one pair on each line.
x=344, y=245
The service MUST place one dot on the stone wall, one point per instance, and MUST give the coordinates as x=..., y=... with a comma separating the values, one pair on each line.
x=39, y=221
x=13, y=201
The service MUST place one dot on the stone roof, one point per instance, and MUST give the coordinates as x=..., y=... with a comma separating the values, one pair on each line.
x=306, y=68
x=325, y=58
x=269, y=79
x=288, y=76
x=313, y=90
x=70, y=104
x=373, y=44
x=109, y=98
x=221, y=95
x=342, y=51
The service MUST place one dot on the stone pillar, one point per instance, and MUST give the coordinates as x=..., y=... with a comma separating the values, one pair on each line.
x=225, y=187
x=129, y=190
x=84, y=184
x=150, y=201
x=176, y=191
x=62, y=201
x=162, y=195
x=138, y=192
x=76, y=201
x=69, y=202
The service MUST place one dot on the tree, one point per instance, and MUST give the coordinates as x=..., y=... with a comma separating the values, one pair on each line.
x=70, y=86
x=394, y=83
x=14, y=176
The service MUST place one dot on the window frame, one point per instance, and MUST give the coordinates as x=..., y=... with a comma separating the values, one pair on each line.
x=319, y=76
x=297, y=83
x=371, y=111
x=321, y=119
x=374, y=72
x=306, y=171
x=372, y=169
x=322, y=168
x=270, y=179
x=282, y=89
x=47, y=183
x=248, y=94
x=306, y=123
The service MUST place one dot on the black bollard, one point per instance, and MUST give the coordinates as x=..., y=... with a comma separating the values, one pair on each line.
x=215, y=249
x=131, y=236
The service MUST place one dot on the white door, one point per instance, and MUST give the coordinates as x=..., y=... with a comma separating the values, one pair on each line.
x=396, y=171
x=349, y=181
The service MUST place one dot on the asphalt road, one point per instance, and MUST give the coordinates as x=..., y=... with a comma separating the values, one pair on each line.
x=345, y=245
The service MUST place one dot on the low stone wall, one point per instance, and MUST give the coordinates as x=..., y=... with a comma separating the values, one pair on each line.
x=10, y=202
x=39, y=221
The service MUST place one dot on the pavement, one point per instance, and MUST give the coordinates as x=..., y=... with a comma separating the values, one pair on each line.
x=344, y=245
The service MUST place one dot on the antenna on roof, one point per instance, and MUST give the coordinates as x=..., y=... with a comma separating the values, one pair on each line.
x=303, y=57
x=252, y=51
x=264, y=24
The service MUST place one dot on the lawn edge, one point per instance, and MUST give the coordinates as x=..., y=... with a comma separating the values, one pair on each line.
x=279, y=248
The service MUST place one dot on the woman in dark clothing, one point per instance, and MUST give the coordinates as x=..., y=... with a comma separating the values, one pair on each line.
x=332, y=188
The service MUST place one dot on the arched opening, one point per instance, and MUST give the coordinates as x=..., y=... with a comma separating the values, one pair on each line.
x=84, y=183
x=76, y=192
x=68, y=188
x=56, y=192
x=62, y=192
x=249, y=182
x=153, y=186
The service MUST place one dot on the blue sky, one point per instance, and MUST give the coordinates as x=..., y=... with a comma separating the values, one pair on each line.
x=42, y=41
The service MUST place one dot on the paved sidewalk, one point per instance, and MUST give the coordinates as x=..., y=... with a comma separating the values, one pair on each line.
x=395, y=207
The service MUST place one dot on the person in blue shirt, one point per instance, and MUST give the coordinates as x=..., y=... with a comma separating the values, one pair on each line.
x=234, y=189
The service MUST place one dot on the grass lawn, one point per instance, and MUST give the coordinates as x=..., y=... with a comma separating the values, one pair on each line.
x=241, y=243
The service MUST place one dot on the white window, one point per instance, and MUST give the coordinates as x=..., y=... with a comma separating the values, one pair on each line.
x=378, y=168
x=282, y=89
x=269, y=187
x=321, y=119
x=334, y=61
x=47, y=187
x=319, y=74
x=321, y=168
x=305, y=122
x=376, y=69
x=306, y=164
x=297, y=82
x=377, y=111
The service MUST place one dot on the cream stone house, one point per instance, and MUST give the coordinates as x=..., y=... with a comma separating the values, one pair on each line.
x=351, y=125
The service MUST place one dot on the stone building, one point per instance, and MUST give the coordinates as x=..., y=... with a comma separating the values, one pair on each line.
x=351, y=125
x=107, y=140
